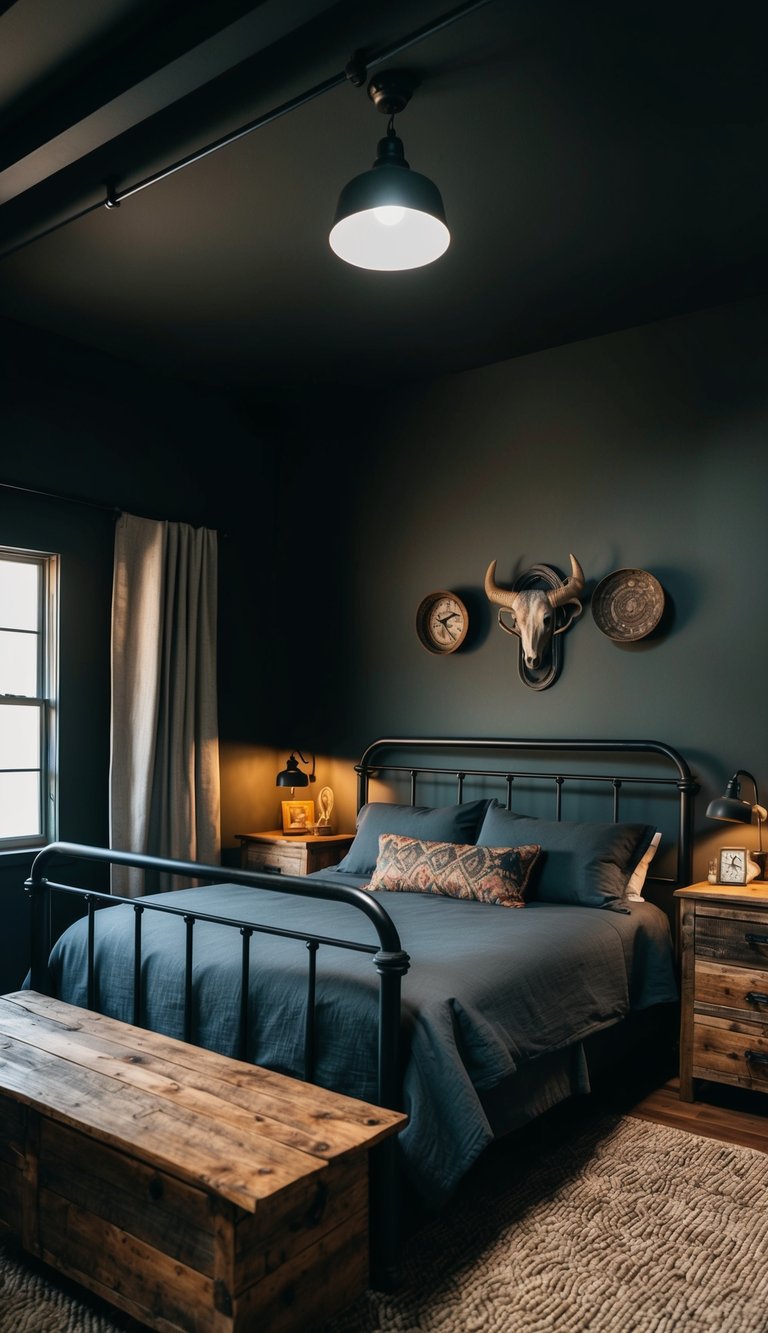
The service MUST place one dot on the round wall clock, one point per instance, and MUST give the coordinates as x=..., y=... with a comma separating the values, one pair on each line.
x=442, y=622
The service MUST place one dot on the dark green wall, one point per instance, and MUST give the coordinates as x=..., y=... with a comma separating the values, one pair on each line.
x=79, y=424
x=645, y=448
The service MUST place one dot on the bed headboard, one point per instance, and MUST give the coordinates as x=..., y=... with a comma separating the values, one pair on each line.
x=586, y=779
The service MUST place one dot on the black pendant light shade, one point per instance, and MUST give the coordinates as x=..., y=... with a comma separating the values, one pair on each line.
x=390, y=218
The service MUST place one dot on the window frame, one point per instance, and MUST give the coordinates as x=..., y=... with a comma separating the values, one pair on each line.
x=46, y=701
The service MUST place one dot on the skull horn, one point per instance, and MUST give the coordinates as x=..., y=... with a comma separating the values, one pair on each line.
x=571, y=589
x=503, y=596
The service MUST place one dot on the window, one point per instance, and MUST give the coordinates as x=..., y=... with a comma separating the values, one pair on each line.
x=28, y=680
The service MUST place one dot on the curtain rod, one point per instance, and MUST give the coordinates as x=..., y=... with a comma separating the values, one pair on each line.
x=70, y=499
x=356, y=72
x=114, y=510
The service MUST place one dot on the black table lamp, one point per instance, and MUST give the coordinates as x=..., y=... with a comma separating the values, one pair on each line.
x=293, y=776
x=732, y=807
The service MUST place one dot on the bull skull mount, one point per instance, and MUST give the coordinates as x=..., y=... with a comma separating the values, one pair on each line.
x=542, y=604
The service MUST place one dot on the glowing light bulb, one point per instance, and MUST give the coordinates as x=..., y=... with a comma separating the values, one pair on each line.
x=389, y=215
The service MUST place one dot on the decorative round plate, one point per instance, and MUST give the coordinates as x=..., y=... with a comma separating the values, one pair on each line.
x=627, y=604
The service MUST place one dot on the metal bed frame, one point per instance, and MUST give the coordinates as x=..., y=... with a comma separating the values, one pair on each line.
x=373, y=765
x=389, y=958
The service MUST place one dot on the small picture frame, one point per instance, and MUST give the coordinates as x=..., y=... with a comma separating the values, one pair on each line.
x=733, y=865
x=298, y=816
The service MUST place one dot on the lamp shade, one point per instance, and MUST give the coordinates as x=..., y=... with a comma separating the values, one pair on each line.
x=390, y=217
x=292, y=775
x=731, y=808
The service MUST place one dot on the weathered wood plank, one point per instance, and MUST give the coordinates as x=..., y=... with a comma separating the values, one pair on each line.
x=242, y=1168
x=725, y=987
x=719, y=1051
x=129, y=1193
x=345, y=1121
x=148, y=1283
x=291, y=1118
x=264, y=1241
x=303, y=1293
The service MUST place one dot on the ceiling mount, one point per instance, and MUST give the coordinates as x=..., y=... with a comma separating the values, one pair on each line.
x=391, y=90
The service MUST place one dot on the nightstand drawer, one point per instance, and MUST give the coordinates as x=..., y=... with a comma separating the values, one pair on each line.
x=280, y=860
x=740, y=992
x=727, y=935
x=730, y=1053
x=285, y=854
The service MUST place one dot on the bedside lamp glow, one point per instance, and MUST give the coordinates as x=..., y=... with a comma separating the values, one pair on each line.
x=732, y=807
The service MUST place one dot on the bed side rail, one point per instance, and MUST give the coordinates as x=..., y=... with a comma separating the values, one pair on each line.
x=389, y=958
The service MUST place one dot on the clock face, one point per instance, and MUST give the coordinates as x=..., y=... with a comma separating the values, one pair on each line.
x=733, y=865
x=442, y=622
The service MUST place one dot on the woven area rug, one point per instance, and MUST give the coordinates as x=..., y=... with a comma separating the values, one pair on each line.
x=608, y=1224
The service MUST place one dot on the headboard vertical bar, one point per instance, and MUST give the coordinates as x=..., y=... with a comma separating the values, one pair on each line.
x=40, y=931
x=684, y=846
x=414, y=776
x=559, y=796
x=460, y=787
x=616, y=786
x=509, y=777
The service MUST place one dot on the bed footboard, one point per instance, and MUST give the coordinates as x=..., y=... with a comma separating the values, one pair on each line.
x=389, y=959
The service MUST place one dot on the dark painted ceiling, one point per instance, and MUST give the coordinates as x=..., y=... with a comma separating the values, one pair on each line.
x=602, y=163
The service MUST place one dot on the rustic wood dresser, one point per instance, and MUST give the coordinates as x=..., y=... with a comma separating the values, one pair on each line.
x=724, y=999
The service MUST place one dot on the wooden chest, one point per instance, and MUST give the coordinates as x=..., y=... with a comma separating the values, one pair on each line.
x=194, y=1191
x=724, y=1003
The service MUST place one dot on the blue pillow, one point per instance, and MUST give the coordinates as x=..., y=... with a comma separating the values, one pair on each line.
x=583, y=864
x=448, y=823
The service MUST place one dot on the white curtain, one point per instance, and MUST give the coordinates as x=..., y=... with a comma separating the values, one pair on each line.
x=164, y=760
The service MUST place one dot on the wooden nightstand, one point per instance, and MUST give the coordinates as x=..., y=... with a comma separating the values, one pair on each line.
x=724, y=1000
x=291, y=854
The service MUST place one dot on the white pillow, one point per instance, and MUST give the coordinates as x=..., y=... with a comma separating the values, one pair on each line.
x=634, y=889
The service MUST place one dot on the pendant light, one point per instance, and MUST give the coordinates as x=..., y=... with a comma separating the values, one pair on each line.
x=390, y=218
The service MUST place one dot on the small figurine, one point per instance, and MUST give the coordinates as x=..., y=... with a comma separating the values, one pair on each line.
x=325, y=802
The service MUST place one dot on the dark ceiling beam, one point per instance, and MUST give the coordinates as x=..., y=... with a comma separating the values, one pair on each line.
x=160, y=54
x=83, y=185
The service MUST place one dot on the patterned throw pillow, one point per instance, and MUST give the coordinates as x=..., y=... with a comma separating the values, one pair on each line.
x=498, y=875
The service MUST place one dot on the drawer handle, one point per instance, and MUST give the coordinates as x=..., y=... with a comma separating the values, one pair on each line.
x=756, y=997
x=756, y=939
x=756, y=1057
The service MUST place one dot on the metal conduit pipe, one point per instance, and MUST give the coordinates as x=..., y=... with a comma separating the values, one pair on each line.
x=356, y=72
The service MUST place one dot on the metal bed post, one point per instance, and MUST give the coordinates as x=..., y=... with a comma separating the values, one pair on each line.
x=385, y=1177
x=40, y=932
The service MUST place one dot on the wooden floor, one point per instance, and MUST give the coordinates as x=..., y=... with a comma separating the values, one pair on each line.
x=720, y=1112
x=643, y=1081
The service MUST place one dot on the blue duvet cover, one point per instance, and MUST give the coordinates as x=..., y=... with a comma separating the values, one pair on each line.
x=492, y=994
